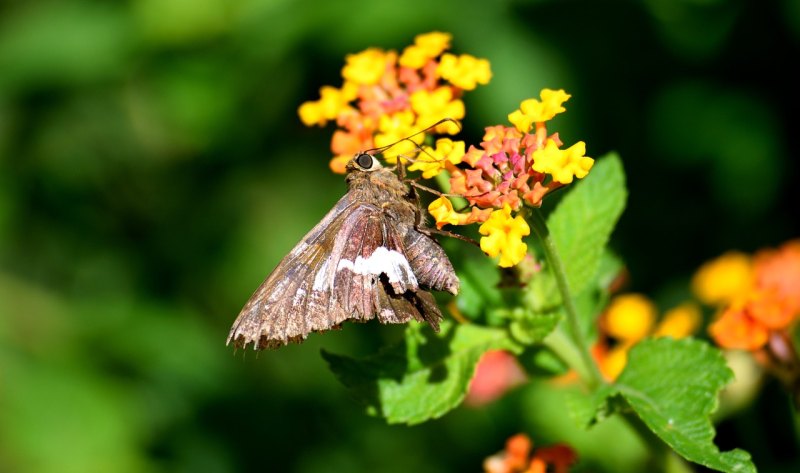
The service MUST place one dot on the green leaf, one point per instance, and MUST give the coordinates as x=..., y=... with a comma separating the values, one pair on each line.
x=479, y=279
x=540, y=362
x=582, y=223
x=608, y=271
x=530, y=327
x=422, y=378
x=541, y=293
x=673, y=386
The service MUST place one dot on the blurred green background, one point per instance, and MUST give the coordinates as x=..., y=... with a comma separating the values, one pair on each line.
x=153, y=171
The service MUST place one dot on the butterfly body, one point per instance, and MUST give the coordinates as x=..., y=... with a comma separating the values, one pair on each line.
x=367, y=258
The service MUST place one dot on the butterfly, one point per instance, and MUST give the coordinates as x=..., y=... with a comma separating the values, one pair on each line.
x=368, y=258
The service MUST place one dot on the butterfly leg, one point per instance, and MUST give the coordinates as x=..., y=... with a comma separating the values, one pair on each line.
x=432, y=231
x=419, y=223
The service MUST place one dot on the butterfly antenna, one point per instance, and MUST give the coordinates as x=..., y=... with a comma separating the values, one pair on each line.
x=424, y=130
x=421, y=150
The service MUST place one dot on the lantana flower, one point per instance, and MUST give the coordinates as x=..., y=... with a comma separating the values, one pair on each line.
x=387, y=97
x=433, y=160
x=512, y=167
x=628, y=319
x=756, y=296
x=533, y=111
x=719, y=281
x=496, y=372
x=519, y=456
x=503, y=236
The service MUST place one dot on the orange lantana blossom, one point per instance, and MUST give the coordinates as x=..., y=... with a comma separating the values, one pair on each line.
x=387, y=97
x=519, y=456
x=512, y=167
x=758, y=296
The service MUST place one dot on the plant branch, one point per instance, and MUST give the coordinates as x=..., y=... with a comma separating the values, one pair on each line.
x=591, y=373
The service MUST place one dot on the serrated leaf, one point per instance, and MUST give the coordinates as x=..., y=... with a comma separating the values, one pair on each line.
x=591, y=408
x=582, y=223
x=673, y=386
x=423, y=377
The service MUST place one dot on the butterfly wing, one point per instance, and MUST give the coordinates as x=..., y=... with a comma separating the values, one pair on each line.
x=351, y=266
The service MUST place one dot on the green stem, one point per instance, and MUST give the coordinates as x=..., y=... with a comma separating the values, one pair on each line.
x=560, y=343
x=591, y=373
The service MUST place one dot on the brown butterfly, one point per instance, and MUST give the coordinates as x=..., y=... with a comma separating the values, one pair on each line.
x=368, y=258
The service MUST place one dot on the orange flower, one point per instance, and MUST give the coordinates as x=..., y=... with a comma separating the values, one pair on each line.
x=515, y=458
x=560, y=456
x=762, y=294
x=770, y=308
x=496, y=373
x=779, y=270
x=736, y=329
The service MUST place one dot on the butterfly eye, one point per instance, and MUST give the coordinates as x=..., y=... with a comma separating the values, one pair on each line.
x=364, y=161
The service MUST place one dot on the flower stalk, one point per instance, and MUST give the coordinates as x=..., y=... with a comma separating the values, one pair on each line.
x=590, y=373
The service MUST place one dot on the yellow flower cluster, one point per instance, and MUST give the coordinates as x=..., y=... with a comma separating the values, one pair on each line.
x=503, y=236
x=386, y=97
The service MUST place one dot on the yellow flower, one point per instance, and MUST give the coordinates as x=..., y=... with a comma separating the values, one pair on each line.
x=393, y=129
x=629, y=318
x=720, y=280
x=426, y=47
x=503, y=236
x=366, y=67
x=311, y=113
x=332, y=102
x=562, y=164
x=612, y=364
x=432, y=161
x=465, y=71
x=679, y=322
x=441, y=209
x=432, y=106
x=532, y=111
